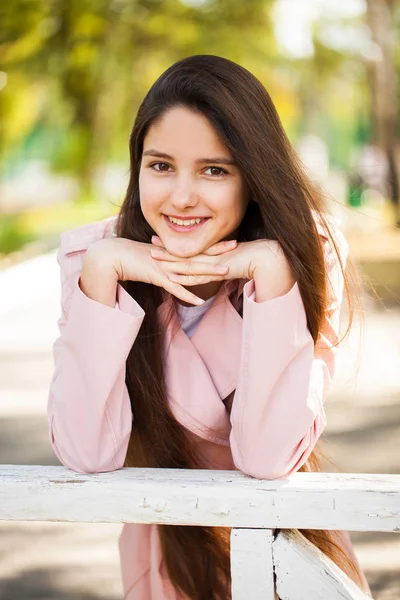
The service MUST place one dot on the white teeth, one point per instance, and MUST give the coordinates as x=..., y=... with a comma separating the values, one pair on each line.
x=184, y=223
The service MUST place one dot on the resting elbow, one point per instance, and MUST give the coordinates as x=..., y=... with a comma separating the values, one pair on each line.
x=89, y=467
x=263, y=470
x=85, y=463
x=261, y=467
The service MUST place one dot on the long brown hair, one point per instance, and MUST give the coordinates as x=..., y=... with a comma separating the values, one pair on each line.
x=280, y=208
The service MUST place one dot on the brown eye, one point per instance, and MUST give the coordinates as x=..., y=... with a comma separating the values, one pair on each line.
x=160, y=163
x=219, y=169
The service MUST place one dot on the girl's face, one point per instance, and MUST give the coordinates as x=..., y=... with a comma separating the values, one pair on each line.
x=191, y=191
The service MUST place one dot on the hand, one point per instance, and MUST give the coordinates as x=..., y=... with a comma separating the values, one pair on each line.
x=118, y=259
x=241, y=262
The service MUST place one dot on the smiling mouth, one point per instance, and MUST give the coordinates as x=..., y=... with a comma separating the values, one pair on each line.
x=185, y=225
x=186, y=222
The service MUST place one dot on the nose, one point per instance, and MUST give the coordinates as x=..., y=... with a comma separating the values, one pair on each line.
x=184, y=195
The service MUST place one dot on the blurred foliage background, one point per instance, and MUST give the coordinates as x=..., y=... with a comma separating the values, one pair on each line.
x=73, y=73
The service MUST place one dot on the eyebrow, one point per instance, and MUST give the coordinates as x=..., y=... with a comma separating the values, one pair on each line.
x=222, y=160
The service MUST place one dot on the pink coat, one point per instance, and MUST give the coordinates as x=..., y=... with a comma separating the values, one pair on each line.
x=257, y=405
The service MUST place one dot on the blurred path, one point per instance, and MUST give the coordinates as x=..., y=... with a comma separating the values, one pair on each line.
x=50, y=561
x=80, y=562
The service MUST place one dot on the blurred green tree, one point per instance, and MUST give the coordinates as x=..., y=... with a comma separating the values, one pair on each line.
x=384, y=89
x=73, y=72
x=78, y=69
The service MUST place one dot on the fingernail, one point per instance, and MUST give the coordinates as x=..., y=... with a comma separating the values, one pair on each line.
x=221, y=269
x=199, y=300
x=231, y=242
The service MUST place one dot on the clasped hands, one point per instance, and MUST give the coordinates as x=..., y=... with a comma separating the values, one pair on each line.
x=262, y=260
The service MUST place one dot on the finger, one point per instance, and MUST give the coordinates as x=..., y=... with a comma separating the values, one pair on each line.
x=194, y=279
x=181, y=293
x=157, y=241
x=162, y=254
x=190, y=267
x=221, y=247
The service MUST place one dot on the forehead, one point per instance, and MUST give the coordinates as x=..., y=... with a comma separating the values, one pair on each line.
x=181, y=130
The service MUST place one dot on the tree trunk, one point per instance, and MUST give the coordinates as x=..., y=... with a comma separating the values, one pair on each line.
x=383, y=92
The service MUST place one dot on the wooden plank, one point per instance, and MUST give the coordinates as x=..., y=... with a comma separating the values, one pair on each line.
x=201, y=497
x=252, y=569
x=303, y=571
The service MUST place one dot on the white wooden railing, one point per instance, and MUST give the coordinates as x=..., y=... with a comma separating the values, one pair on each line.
x=261, y=564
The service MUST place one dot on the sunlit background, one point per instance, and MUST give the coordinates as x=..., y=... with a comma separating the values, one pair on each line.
x=72, y=75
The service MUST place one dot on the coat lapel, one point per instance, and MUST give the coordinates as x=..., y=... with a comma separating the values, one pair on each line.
x=201, y=372
x=218, y=341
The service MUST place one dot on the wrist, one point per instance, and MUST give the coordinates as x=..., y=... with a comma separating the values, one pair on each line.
x=100, y=258
x=273, y=276
x=98, y=280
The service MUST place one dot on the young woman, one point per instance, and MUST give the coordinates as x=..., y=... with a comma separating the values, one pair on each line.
x=199, y=327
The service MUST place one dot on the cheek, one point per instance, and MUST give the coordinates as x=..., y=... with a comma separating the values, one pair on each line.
x=151, y=194
x=231, y=210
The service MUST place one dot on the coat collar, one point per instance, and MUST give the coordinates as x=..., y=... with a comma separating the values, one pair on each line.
x=80, y=238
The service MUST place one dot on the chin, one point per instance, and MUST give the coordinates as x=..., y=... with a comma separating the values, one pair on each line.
x=186, y=250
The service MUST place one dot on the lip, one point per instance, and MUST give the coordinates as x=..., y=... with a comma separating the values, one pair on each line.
x=185, y=218
x=184, y=228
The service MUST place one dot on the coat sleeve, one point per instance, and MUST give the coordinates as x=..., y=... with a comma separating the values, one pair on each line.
x=89, y=411
x=278, y=409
